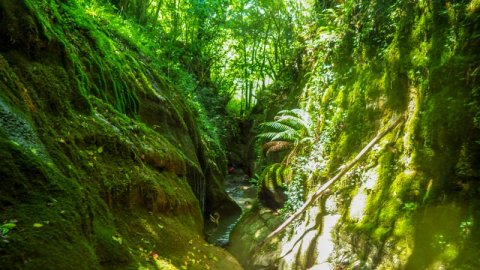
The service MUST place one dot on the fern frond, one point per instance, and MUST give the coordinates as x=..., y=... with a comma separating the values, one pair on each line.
x=298, y=113
x=287, y=135
x=279, y=176
x=275, y=126
x=305, y=116
x=291, y=121
x=276, y=146
x=294, y=112
x=290, y=128
x=268, y=178
x=267, y=135
x=271, y=177
x=287, y=174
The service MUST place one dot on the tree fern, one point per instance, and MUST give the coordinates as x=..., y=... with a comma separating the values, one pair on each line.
x=298, y=117
x=276, y=146
x=290, y=127
x=277, y=126
x=291, y=121
x=272, y=184
x=267, y=135
x=287, y=135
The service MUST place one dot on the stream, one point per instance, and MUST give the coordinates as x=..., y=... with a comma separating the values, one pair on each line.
x=244, y=194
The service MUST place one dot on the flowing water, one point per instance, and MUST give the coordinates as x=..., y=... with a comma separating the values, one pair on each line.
x=244, y=194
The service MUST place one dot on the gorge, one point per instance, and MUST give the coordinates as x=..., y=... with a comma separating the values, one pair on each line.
x=123, y=124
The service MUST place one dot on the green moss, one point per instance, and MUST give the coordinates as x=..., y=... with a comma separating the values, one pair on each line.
x=403, y=227
x=82, y=90
x=39, y=194
x=418, y=64
x=109, y=247
x=381, y=233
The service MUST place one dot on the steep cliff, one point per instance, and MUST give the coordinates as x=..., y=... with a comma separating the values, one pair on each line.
x=103, y=164
x=412, y=201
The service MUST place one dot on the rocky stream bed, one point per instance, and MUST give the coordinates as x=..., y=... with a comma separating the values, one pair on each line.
x=244, y=194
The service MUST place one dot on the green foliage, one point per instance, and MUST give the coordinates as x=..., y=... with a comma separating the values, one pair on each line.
x=290, y=129
x=254, y=180
x=295, y=195
x=409, y=206
x=257, y=45
x=272, y=184
x=274, y=176
x=6, y=228
x=363, y=61
x=372, y=60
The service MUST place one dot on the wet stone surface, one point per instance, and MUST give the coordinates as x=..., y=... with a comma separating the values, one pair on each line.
x=238, y=187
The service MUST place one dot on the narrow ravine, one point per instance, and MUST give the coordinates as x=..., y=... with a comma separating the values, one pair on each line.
x=130, y=130
x=243, y=193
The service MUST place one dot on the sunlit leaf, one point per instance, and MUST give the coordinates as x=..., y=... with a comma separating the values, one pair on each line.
x=15, y=143
x=117, y=239
x=5, y=228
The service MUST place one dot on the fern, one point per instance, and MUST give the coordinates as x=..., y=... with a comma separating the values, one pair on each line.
x=267, y=135
x=276, y=126
x=279, y=176
x=291, y=121
x=298, y=113
x=272, y=184
x=289, y=128
x=300, y=116
x=287, y=135
x=276, y=146
x=272, y=177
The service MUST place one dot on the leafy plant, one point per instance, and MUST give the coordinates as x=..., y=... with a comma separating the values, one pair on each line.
x=466, y=227
x=294, y=192
x=289, y=129
x=6, y=228
x=409, y=206
x=254, y=180
x=272, y=184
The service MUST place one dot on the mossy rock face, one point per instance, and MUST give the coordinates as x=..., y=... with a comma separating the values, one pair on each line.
x=216, y=199
x=100, y=155
x=46, y=206
x=19, y=28
x=391, y=60
x=252, y=228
